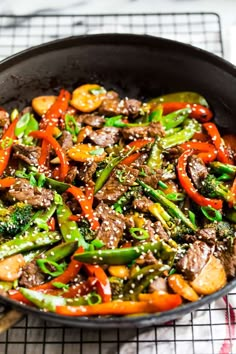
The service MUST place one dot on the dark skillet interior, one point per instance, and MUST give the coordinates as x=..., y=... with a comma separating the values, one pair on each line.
x=138, y=67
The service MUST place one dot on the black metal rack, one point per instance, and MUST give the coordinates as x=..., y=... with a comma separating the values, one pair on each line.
x=202, y=332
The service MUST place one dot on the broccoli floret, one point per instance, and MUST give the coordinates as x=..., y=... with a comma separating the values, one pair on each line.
x=14, y=218
x=117, y=287
x=214, y=189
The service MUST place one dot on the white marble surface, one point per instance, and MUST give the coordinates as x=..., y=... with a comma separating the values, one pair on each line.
x=226, y=9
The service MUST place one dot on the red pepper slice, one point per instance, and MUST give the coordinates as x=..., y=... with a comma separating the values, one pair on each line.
x=52, y=224
x=200, y=136
x=7, y=182
x=199, y=112
x=162, y=302
x=80, y=289
x=64, y=167
x=130, y=159
x=233, y=193
x=207, y=152
x=103, y=284
x=188, y=186
x=85, y=206
x=5, y=151
x=222, y=154
x=140, y=143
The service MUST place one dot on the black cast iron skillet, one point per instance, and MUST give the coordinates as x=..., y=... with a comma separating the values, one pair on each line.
x=136, y=66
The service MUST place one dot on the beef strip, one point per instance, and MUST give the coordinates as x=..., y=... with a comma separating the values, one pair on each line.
x=66, y=141
x=86, y=171
x=113, y=189
x=194, y=260
x=4, y=118
x=112, y=226
x=23, y=191
x=104, y=137
x=227, y=255
x=113, y=106
x=149, y=176
x=26, y=153
x=151, y=131
x=93, y=120
x=142, y=204
x=160, y=232
x=147, y=259
x=174, y=152
x=207, y=235
x=197, y=170
x=159, y=284
x=31, y=275
x=71, y=175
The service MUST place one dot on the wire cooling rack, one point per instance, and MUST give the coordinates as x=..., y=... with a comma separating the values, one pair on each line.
x=209, y=330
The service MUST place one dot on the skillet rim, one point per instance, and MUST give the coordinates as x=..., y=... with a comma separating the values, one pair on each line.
x=135, y=40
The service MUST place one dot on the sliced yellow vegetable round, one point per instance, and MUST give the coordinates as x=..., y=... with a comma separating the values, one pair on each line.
x=86, y=152
x=179, y=285
x=42, y=103
x=87, y=98
x=119, y=271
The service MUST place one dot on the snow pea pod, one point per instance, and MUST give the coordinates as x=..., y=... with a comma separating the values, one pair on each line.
x=185, y=96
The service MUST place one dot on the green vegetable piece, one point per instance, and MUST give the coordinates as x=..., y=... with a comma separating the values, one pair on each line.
x=156, y=115
x=60, y=285
x=175, y=197
x=14, y=114
x=28, y=242
x=162, y=185
x=138, y=233
x=221, y=168
x=118, y=123
x=30, y=255
x=231, y=215
x=69, y=229
x=101, y=180
x=97, y=91
x=125, y=255
x=58, y=186
x=6, y=285
x=188, y=97
x=61, y=251
x=94, y=298
x=172, y=120
x=59, y=268
x=155, y=158
x=97, y=152
x=225, y=177
x=211, y=213
x=71, y=126
x=213, y=188
x=171, y=207
x=192, y=217
x=31, y=126
x=43, y=301
x=41, y=224
x=22, y=124
x=97, y=243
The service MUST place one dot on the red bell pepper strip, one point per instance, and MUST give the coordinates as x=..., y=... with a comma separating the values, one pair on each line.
x=188, y=186
x=163, y=302
x=201, y=137
x=85, y=206
x=207, y=152
x=103, y=284
x=222, y=152
x=7, y=182
x=199, y=112
x=56, y=110
x=64, y=167
x=52, y=224
x=139, y=143
x=130, y=159
x=6, y=145
x=233, y=193
x=80, y=289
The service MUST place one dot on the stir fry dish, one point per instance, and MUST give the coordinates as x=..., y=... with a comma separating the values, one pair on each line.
x=113, y=206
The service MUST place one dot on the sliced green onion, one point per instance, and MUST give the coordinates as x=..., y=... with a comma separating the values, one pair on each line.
x=115, y=121
x=22, y=124
x=97, y=91
x=97, y=243
x=41, y=180
x=138, y=233
x=71, y=125
x=94, y=298
x=162, y=185
x=60, y=285
x=58, y=199
x=175, y=197
x=192, y=217
x=42, y=263
x=32, y=180
x=97, y=152
x=211, y=213
x=172, y=271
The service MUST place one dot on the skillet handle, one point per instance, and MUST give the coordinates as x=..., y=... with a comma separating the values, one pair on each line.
x=8, y=317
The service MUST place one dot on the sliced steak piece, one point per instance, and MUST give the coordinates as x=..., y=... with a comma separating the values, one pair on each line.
x=4, y=118
x=93, y=120
x=227, y=256
x=142, y=204
x=118, y=183
x=28, y=154
x=23, y=191
x=194, y=260
x=151, y=131
x=207, y=235
x=86, y=171
x=31, y=275
x=112, y=226
x=71, y=175
x=159, y=284
x=104, y=137
x=147, y=259
x=66, y=141
x=197, y=170
x=149, y=176
x=174, y=152
x=160, y=232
